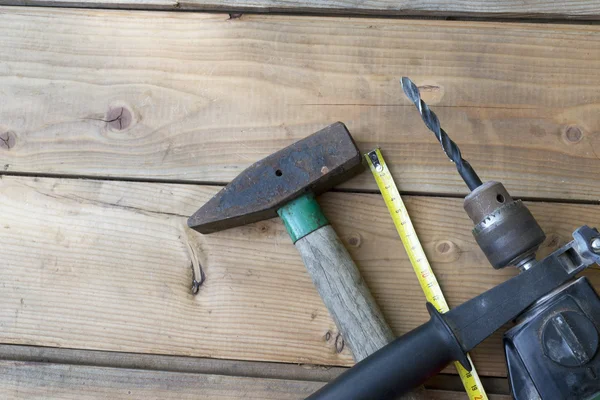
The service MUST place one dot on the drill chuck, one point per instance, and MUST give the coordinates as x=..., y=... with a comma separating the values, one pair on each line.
x=504, y=229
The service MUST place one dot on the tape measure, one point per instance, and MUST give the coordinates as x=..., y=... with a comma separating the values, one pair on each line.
x=418, y=259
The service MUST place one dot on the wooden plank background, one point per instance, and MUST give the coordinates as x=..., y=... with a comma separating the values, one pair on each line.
x=183, y=102
x=107, y=266
x=211, y=366
x=546, y=9
x=198, y=97
x=19, y=380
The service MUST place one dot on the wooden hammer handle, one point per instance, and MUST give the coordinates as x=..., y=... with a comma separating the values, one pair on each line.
x=344, y=292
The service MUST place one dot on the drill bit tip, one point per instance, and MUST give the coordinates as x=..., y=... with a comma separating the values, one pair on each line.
x=433, y=124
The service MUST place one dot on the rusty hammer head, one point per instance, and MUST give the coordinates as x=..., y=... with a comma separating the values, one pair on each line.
x=313, y=164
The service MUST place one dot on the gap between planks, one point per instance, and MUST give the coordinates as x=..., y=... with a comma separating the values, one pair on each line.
x=27, y=380
x=537, y=10
x=212, y=366
x=333, y=190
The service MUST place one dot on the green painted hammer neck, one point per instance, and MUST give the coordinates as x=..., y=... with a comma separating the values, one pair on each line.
x=302, y=216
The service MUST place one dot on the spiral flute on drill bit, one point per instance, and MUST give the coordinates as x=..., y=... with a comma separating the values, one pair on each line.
x=431, y=121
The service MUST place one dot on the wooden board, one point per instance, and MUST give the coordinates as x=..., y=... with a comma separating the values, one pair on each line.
x=108, y=265
x=213, y=366
x=199, y=97
x=547, y=9
x=20, y=380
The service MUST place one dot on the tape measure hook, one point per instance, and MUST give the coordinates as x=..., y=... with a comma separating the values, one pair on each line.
x=375, y=160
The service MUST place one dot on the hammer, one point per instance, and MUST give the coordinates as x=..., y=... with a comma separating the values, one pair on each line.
x=285, y=184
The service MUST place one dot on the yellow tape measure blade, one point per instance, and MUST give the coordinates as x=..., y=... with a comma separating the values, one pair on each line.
x=418, y=259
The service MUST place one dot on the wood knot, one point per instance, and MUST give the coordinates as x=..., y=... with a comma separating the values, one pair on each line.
x=431, y=92
x=445, y=251
x=573, y=134
x=354, y=240
x=119, y=118
x=339, y=343
x=554, y=241
x=338, y=340
x=263, y=228
x=444, y=247
x=8, y=140
x=429, y=88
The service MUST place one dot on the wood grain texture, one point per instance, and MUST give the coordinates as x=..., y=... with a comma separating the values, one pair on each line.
x=19, y=380
x=344, y=292
x=199, y=365
x=547, y=9
x=107, y=265
x=55, y=381
x=199, y=97
x=212, y=366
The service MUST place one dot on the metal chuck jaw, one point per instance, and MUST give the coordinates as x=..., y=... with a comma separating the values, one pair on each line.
x=505, y=229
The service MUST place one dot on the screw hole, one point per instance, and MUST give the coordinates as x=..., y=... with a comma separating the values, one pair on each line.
x=500, y=198
x=278, y=172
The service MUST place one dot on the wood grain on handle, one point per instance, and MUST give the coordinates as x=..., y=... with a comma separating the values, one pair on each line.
x=344, y=292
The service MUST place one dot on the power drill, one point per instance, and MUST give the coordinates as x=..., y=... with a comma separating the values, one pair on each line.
x=551, y=352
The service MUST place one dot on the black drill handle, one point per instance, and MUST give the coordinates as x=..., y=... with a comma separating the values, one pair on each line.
x=400, y=366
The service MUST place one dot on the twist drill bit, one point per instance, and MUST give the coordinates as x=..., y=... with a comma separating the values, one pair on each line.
x=450, y=148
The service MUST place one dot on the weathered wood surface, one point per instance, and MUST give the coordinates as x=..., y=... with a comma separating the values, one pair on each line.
x=197, y=365
x=547, y=9
x=212, y=366
x=21, y=380
x=42, y=381
x=107, y=265
x=198, y=97
x=344, y=292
